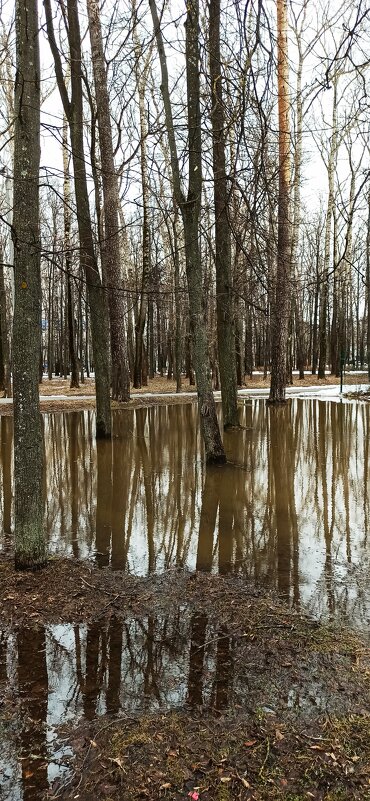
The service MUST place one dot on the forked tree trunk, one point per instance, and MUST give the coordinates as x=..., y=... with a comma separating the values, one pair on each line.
x=30, y=541
x=111, y=250
x=189, y=206
x=96, y=293
x=281, y=307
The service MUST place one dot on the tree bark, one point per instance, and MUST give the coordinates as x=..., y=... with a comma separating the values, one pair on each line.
x=96, y=293
x=224, y=300
x=327, y=244
x=30, y=541
x=5, y=354
x=189, y=206
x=281, y=309
x=111, y=251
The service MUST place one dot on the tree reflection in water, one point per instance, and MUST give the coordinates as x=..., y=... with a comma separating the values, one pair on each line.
x=290, y=508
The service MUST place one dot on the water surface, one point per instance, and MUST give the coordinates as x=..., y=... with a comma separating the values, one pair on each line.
x=290, y=509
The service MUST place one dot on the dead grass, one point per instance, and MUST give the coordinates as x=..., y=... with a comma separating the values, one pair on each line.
x=160, y=387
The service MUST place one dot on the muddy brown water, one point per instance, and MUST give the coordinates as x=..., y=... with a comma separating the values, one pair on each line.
x=289, y=510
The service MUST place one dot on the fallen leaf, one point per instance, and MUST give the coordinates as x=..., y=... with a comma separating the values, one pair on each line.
x=249, y=743
x=118, y=762
x=165, y=786
x=225, y=779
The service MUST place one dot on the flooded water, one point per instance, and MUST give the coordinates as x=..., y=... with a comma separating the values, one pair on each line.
x=289, y=510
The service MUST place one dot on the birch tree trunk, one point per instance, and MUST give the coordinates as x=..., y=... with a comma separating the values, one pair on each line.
x=281, y=308
x=110, y=250
x=30, y=542
x=189, y=206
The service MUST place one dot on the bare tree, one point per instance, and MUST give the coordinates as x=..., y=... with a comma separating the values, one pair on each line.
x=30, y=541
x=73, y=109
x=189, y=206
x=110, y=250
x=225, y=328
x=281, y=308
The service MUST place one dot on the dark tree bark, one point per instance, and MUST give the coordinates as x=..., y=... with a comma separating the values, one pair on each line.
x=225, y=328
x=5, y=376
x=281, y=307
x=368, y=286
x=189, y=206
x=110, y=249
x=98, y=306
x=30, y=542
x=68, y=267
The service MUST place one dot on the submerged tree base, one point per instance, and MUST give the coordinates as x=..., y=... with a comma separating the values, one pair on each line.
x=276, y=401
x=216, y=459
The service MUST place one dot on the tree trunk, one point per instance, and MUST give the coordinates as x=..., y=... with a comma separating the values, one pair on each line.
x=111, y=254
x=67, y=260
x=30, y=541
x=281, y=309
x=327, y=244
x=367, y=285
x=224, y=300
x=96, y=293
x=178, y=350
x=5, y=355
x=141, y=78
x=190, y=210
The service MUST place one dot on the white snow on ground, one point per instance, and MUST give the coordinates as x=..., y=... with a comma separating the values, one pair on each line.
x=325, y=393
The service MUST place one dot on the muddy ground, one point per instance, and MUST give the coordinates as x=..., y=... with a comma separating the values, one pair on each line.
x=300, y=729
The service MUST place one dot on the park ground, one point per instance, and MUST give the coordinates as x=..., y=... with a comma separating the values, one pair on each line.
x=267, y=747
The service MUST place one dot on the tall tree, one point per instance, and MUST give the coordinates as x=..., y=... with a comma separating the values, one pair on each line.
x=142, y=73
x=73, y=109
x=110, y=251
x=281, y=307
x=225, y=329
x=30, y=542
x=189, y=205
x=67, y=254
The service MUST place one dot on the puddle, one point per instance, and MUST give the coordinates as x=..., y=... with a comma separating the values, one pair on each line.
x=291, y=509
x=65, y=674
